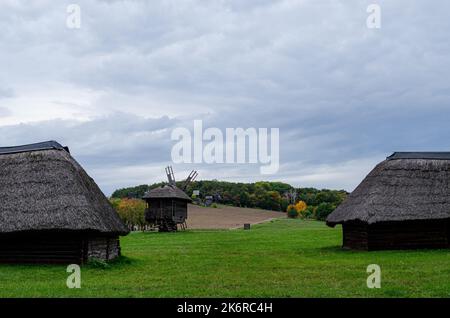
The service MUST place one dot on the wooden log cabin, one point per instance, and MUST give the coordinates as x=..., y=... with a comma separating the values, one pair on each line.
x=51, y=210
x=167, y=206
x=404, y=203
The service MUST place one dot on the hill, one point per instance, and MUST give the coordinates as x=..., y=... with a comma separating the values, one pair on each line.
x=227, y=217
x=275, y=196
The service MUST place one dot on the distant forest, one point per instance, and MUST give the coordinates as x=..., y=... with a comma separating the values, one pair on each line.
x=276, y=196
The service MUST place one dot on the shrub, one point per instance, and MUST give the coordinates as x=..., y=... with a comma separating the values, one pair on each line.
x=292, y=212
x=323, y=210
x=301, y=208
x=309, y=212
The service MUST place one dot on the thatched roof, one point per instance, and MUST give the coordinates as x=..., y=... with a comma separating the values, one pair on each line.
x=420, y=155
x=46, y=145
x=44, y=188
x=167, y=192
x=406, y=186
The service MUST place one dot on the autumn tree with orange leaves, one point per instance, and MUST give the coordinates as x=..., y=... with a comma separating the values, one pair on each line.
x=131, y=211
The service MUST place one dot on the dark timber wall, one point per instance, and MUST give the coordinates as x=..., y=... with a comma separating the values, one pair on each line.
x=397, y=235
x=64, y=248
x=355, y=236
x=168, y=209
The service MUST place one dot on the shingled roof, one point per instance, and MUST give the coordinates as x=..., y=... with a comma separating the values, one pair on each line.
x=43, y=188
x=167, y=192
x=406, y=186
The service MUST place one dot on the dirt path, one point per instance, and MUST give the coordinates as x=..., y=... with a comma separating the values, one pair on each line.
x=226, y=217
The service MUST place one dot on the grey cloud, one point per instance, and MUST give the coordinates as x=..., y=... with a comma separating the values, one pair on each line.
x=337, y=90
x=117, y=140
x=6, y=92
x=4, y=112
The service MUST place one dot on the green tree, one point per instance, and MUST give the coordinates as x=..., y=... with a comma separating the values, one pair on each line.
x=323, y=210
x=292, y=212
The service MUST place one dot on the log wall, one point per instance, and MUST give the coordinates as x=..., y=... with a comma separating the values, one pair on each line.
x=63, y=248
x=408, y=235
x=40, y=249
x=397, y=235
x=104, y=248
x=166, y=209
x=355, y=236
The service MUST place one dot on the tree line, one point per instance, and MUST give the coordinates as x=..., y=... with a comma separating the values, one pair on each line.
x=275, y=196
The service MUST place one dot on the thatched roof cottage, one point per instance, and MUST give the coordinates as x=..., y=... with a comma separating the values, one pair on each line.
x=403, y=203
x=51, y=211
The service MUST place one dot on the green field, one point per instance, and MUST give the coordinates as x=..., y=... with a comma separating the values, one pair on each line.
x=284, y=258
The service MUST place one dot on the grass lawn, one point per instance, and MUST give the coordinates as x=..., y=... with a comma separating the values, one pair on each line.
x=284, y=258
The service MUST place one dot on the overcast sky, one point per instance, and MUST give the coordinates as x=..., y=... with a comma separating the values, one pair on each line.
x=343, y=96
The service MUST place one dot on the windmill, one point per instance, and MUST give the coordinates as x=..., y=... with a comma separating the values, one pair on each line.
x=167, y=205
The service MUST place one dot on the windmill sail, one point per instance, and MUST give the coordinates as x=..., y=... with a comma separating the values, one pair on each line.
x=170, y=175
x=189, y=179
